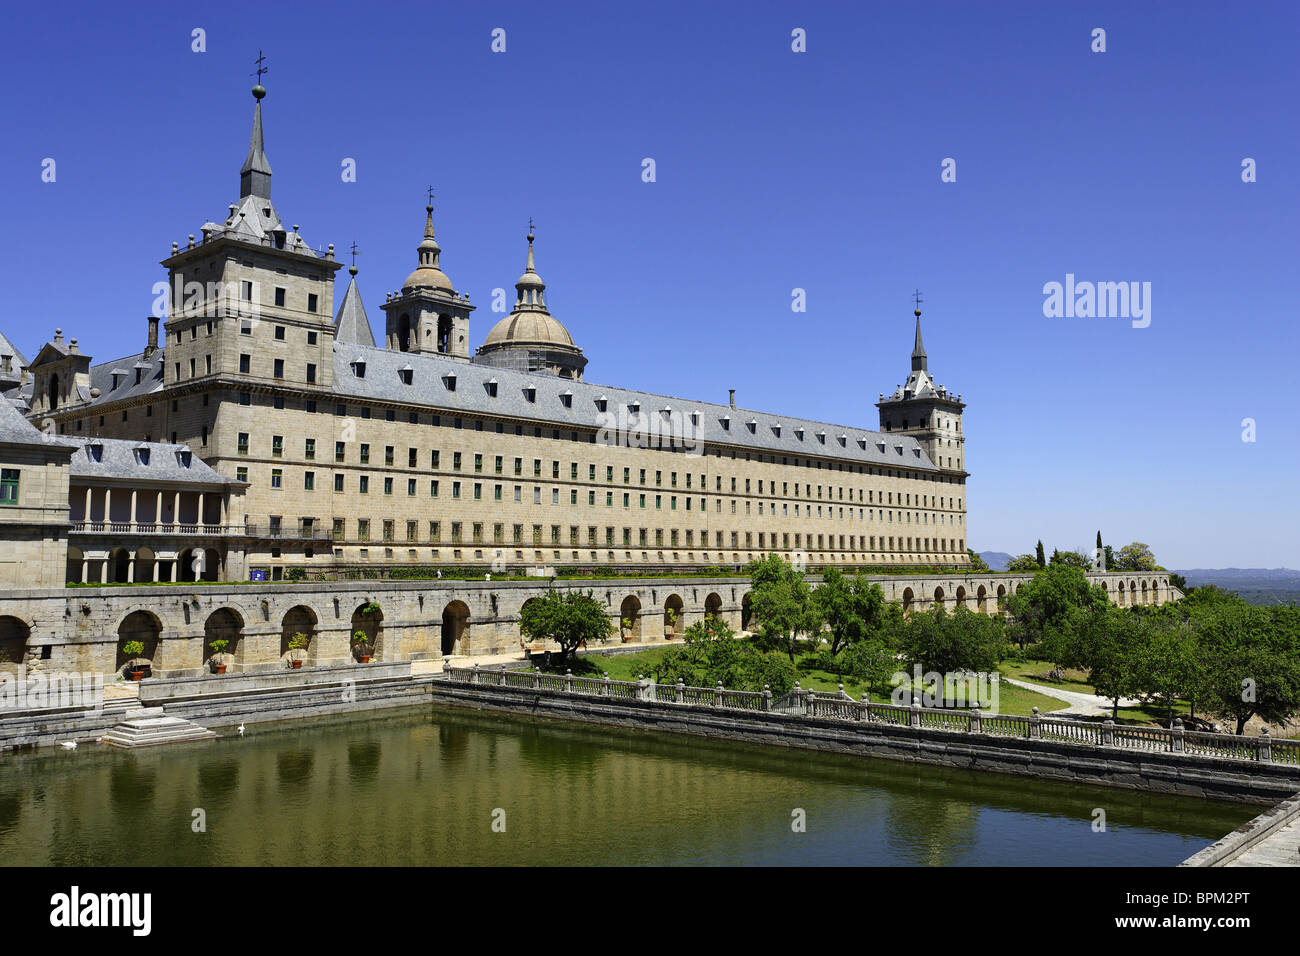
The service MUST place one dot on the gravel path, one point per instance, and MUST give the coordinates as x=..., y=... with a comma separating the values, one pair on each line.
x=1084, y=705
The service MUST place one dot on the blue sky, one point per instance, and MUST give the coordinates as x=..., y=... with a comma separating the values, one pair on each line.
x=775, y=170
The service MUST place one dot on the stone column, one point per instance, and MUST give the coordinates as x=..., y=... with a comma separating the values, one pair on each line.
x=85, y=570
x=157, y=510
x=199, y=516
x=132, y=518
x=130, y=567
x=103, y=571
x=87, y=515
x=108, y=505
x=176, y=508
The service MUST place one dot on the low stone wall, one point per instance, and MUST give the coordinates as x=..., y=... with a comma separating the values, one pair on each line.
x=1164, y=772
x=1247, y=835
x=156, y=691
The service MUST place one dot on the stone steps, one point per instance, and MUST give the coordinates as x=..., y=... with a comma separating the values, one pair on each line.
x=152, y=731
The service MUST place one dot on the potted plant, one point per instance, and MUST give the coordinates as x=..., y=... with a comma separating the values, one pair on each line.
x=135, y=668
x=297, y=644
x=628, y=624
x=218, y=654
x=670, y=615
x=361, y=641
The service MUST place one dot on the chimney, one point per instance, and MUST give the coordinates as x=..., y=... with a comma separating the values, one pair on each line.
x=731, y=397
x=152, y=345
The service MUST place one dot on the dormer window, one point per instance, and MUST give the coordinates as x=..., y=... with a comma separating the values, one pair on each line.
x=776, y=429
x=142, y=455
x=490, y=386
x=634, y=407
x=184, y=457
x=359, y=368
x=844, y=439
x=530, y=393
x=566, y=399
x=95, y=451
x=752, y=424
x=821, y=437
x=725, y=422
x=407, y=374
x=449, y=380
x=899, y=449
x=695, y=418
x=798, y=433
x=601, y=403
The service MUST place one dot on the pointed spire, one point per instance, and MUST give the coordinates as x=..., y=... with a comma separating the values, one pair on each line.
x=351, y=326
x=918, y=350
x=530, y=287
x=255, y=174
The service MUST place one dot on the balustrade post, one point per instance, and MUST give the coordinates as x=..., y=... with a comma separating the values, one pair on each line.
x=1176, y=739
x=841, y=692
x=717, y=695
x=537, y=678
x=767, y=698
x=473, y=676
x=1108, y=733
x=568, y=680
x=604, y=684
x=976, y=721
x=681, y=691
x=798, y=696
x=1265, y=746
x=916, y=712
x=1035, y=726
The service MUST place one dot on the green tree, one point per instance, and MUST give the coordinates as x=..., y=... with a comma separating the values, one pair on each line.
x=947, y=643
x=1039, y=556
x=1250, y=660
x=976, y=562
x=569, y=618
x=1166, y=664
x=851, y=607
x=1072, y=559
x=782, y=601
x=1135, y=557
x=1024, y=563
x=712, y=655
x=1049, y=605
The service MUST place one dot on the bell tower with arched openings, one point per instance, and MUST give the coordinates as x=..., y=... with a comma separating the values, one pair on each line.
x=428, y=316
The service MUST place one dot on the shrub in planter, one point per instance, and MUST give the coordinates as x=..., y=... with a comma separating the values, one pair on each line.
x=362, y=645
x=217, y=659
x=297, y=644
x=135, y=667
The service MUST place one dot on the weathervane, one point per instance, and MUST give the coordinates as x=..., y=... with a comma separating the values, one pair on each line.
x=260, y=68
x=355, y=251
x=430, y=195
x=916, y=297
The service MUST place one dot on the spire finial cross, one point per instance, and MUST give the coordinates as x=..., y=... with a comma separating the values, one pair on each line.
x=530, y=225
x=916, y=297
x=355, y=252
x=430, y=191
x=260, y=67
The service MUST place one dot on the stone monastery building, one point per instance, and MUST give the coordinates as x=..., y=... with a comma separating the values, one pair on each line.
x=273, y=431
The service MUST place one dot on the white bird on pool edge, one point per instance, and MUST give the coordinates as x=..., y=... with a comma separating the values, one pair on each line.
x=68, y=744
x=241, y=730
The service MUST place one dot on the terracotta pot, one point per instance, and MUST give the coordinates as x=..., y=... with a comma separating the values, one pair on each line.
x=135, y=674
x=219, y=668
x=364, y=658
x=295, y=664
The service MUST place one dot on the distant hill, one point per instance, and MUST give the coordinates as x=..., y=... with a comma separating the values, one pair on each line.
x=996, y=560
x=1256, y=585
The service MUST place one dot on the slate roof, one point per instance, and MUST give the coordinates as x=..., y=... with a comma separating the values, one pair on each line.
x=118, y=459
x=773, y=434
x=151, y=377
x=8, y=348
x=17, y=430
x=351, y=325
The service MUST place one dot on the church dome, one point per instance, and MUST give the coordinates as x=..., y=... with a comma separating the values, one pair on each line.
x=529, y=328
x=428, y=275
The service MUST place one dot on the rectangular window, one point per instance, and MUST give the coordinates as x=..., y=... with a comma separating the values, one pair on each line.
x=363, y=484
x=388, y=486
x=243, y=443
x=311, y=301
x=277, y=446
x=339, y=448
x=388, y=455
x=311, y=373
x=365, y=454
x=245, y=363
x=9, y=486
x=278, y=368
x=309, y=480
x=309, y=451
x=277, y=477
x=410, y=487
x=338, y=482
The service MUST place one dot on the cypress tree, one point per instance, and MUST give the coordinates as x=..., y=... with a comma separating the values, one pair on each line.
x=1040, y=556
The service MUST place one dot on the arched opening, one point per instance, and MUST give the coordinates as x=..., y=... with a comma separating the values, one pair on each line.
x=908, y=599
x=982, y=600
x=455, y=621
x=746, y=611
x=1002, y=599
x=143, y=627
x=961, y=596
x=371, y=624
x=629, y=619
x=185, y=565
x=938, y=597
x=444, y=334
x=211, y=570
x=144, y=565
x=1144, y=593
x=13, y=643
x=712, y=607
x=119, y=565
x=75, y=558
x=224, y=624
x=1155, y=592
x=1119, y=594
x=672, y=617
x=52, y=393
x=298, y=620
x=404, y=333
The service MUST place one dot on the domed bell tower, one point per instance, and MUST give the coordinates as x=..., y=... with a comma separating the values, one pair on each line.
x=428, y=316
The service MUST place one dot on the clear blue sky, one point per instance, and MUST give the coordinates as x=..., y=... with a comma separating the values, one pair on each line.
x=775, y=171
